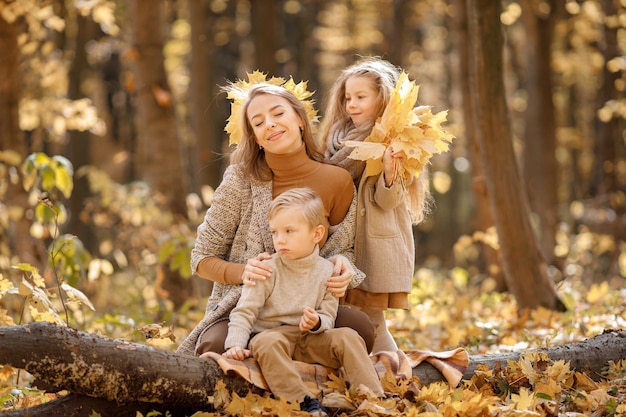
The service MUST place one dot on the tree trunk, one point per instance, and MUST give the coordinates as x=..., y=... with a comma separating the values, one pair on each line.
x=265, y=23
x=10, y=135
x=609, y=133
x=159, y=148
x=79, y=145
x=23, y=245
x=539, y=156
x=397, y=30
x=305, y=66
x=75, y=405
x=115, y=376
x=483, y=219
x=213, y=37
x=61, y=358
x=524, y=268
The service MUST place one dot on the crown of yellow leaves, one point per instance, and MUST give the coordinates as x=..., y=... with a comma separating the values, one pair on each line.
x=238, y=93
x=414, y=130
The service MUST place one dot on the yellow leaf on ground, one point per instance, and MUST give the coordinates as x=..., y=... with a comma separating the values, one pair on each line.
x=337, y=383
x=525, y=400
x=548, y=387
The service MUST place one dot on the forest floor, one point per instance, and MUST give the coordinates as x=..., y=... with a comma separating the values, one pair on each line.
x=449, y=310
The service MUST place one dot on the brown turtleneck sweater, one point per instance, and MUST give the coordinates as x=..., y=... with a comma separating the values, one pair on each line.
x=296, y=169
x=333, y=184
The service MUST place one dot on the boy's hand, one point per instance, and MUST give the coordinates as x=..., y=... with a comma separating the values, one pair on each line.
x=237, y=352
x=309, y=319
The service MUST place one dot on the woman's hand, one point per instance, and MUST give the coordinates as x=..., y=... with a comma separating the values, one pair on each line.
x=309, y=319
x=237, y=352
x=256, y=270
x=342, y=276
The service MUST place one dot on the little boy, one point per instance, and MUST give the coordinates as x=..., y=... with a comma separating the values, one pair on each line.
x=290, y=316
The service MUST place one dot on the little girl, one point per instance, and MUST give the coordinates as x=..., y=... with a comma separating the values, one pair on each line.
x=387, y=205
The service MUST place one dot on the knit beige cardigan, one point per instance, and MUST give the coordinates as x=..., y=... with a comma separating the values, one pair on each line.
x=235, y=228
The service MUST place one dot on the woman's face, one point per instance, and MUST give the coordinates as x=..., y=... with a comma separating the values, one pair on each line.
x=361, y=99
x=275, y=124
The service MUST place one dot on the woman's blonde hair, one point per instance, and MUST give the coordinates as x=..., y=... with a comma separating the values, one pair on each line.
x=249, y=154
x=384, y=76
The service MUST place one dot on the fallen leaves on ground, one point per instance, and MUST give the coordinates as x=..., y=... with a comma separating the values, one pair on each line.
x=449, y=311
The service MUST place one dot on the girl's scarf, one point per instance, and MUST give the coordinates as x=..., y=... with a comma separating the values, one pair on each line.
x=337, y=153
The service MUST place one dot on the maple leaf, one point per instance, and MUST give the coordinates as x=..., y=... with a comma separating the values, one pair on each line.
x=548, y=387
x=525, y=400
x=221, y=395
x=584, y=382
x=434, y=392
x=414, y=130
x=252, y=404
x=560, y=372
x=337, y=383
x=279, y=407
x=398, y=386
x=471, y=404
x=526, y=365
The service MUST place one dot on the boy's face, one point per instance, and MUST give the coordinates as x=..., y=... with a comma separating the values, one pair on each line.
x=293, y=237
x=360, y=99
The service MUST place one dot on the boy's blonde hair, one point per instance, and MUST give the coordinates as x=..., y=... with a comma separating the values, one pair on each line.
x=384, y=76
x=307, y=201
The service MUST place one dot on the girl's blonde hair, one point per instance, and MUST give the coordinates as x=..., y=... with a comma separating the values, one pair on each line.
x=248, y=152
x=307, y=201
x=384, y=77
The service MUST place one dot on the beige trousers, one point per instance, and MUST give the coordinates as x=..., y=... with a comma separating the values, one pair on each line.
x=275, y=349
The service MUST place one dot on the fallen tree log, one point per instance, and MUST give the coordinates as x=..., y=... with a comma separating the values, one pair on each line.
x=118, y=378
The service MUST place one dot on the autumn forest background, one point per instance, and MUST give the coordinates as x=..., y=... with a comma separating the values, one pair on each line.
x=112, y=141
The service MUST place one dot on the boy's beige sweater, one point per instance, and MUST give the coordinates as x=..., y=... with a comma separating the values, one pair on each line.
x=279, y=299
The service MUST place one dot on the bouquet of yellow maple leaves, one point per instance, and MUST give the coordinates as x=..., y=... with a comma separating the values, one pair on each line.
x=414, y=130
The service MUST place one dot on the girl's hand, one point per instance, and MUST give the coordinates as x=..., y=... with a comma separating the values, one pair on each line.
x=342, y=276
x=256, y=270
x=237, y=352
x=391, y=164
x=309, y=319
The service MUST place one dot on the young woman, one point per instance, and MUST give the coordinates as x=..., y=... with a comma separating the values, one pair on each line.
x=277, y=152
